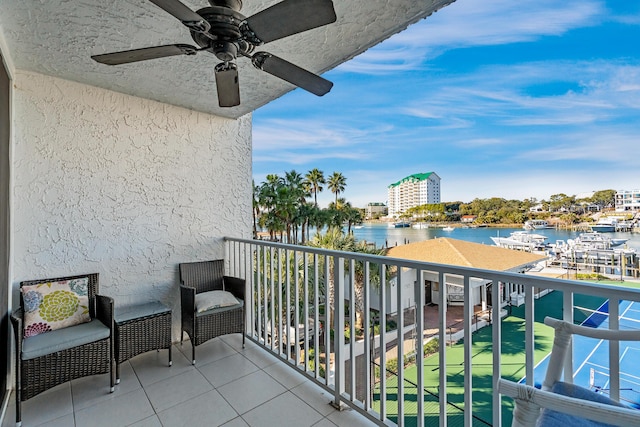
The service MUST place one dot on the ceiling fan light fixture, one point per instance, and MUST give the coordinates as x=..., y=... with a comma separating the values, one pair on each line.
x=225, y=51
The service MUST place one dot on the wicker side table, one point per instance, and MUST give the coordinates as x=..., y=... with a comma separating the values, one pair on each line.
x=141, y=328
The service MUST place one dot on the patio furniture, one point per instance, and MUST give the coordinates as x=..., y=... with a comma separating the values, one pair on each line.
x=46, y=356
x=140, y=328
x=206, y=312
x=565, y=404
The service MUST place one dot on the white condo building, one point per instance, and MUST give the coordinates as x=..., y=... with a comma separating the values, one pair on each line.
x=628, y=200
x=414, y=190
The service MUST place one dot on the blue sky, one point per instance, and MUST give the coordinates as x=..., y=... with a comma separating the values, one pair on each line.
x=501, y=98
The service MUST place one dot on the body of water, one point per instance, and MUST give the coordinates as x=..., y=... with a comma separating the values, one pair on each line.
x=382, y=235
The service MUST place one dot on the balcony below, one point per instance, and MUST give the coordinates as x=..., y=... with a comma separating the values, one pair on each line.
x=229, y=386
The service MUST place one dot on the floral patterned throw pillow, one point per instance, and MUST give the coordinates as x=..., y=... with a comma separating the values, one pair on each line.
x=55, y=305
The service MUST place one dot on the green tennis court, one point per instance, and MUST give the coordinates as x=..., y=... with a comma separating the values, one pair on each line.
x=513, y=366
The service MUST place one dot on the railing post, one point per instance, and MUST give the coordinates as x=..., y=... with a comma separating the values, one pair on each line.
x=287, y=303
x=383, y=341
x=468, y=354
x=272, y=300
x=296, y=309
x=496, y=325
x=327, y=320
x=614, y=350
x=419, y=314
x=529, y=339
x=567, y=307
x=352, y=329
x=442, y=362
x=338, y=331
x=400, y=341
x=278, y=322
x=305, y=314
x=368, y=340
x=316, y=319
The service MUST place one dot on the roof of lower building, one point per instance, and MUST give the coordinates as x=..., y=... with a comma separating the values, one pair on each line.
x=448, y=251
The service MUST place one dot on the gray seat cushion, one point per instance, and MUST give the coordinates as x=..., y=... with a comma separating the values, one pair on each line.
x=64, y=339
x=549, y=418
x=221, y=309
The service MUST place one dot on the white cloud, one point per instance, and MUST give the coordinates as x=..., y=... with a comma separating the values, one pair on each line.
x=468, y=23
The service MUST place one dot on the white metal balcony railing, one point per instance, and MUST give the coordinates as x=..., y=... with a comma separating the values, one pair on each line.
x=287, y=287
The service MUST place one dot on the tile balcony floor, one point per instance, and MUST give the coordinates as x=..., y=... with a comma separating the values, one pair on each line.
x=229, y=386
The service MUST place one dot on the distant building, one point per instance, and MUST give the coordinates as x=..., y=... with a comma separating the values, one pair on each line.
x=414, y=190
x=375, y=209
x=468, y=219
x=628, y=201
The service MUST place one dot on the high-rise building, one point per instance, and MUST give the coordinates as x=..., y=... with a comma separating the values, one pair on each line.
x=628, y=200
x=414, y=190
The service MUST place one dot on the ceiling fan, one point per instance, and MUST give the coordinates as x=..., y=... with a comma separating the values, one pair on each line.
x=221, y=29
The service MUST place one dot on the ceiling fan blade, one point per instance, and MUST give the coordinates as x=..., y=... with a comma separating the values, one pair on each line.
x=290, y=17
x=188, y=17
x=227, y=84
x=292, y=73
x=135, y=55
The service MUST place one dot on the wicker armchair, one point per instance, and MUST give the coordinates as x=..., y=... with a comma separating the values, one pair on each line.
x=563, y=404
x=46, y=360
x=196, y=278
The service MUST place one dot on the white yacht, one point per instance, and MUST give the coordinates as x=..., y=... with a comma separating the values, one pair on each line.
x=521, y=240
x=536, y=224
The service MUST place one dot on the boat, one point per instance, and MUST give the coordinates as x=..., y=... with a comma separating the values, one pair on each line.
x=420, y=225
x=521, y=240
x=605, y=225
x=536, y=224
x=598, y=257
x=400, y=224
x=447, y=228
x=600, y=240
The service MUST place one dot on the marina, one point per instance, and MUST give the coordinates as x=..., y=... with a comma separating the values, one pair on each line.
x=614, y=254
x=382, y=235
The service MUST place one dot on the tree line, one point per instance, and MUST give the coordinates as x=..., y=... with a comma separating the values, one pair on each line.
x=287, y=206
x=495, y=210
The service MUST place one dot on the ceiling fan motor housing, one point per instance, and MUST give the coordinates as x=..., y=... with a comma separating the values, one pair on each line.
x=225, y=26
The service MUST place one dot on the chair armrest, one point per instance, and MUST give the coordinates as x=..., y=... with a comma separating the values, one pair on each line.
x=526, y=395
x=234, y=285
x=16, y=321
x=104, y=310
x=187, y=299
x=596, y=333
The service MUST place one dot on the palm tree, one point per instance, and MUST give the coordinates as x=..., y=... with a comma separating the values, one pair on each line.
x=268, y=198
x=297, y=191
x=337, y=183
x=335, y=239
x=315, y=177
x=353, y=216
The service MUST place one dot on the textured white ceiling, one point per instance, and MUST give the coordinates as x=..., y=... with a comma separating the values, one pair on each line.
x=58, y=37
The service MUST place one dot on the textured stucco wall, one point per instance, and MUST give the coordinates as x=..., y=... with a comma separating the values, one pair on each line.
x=127, y=187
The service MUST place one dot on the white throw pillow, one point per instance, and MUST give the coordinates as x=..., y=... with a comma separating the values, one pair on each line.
x=214, y=299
